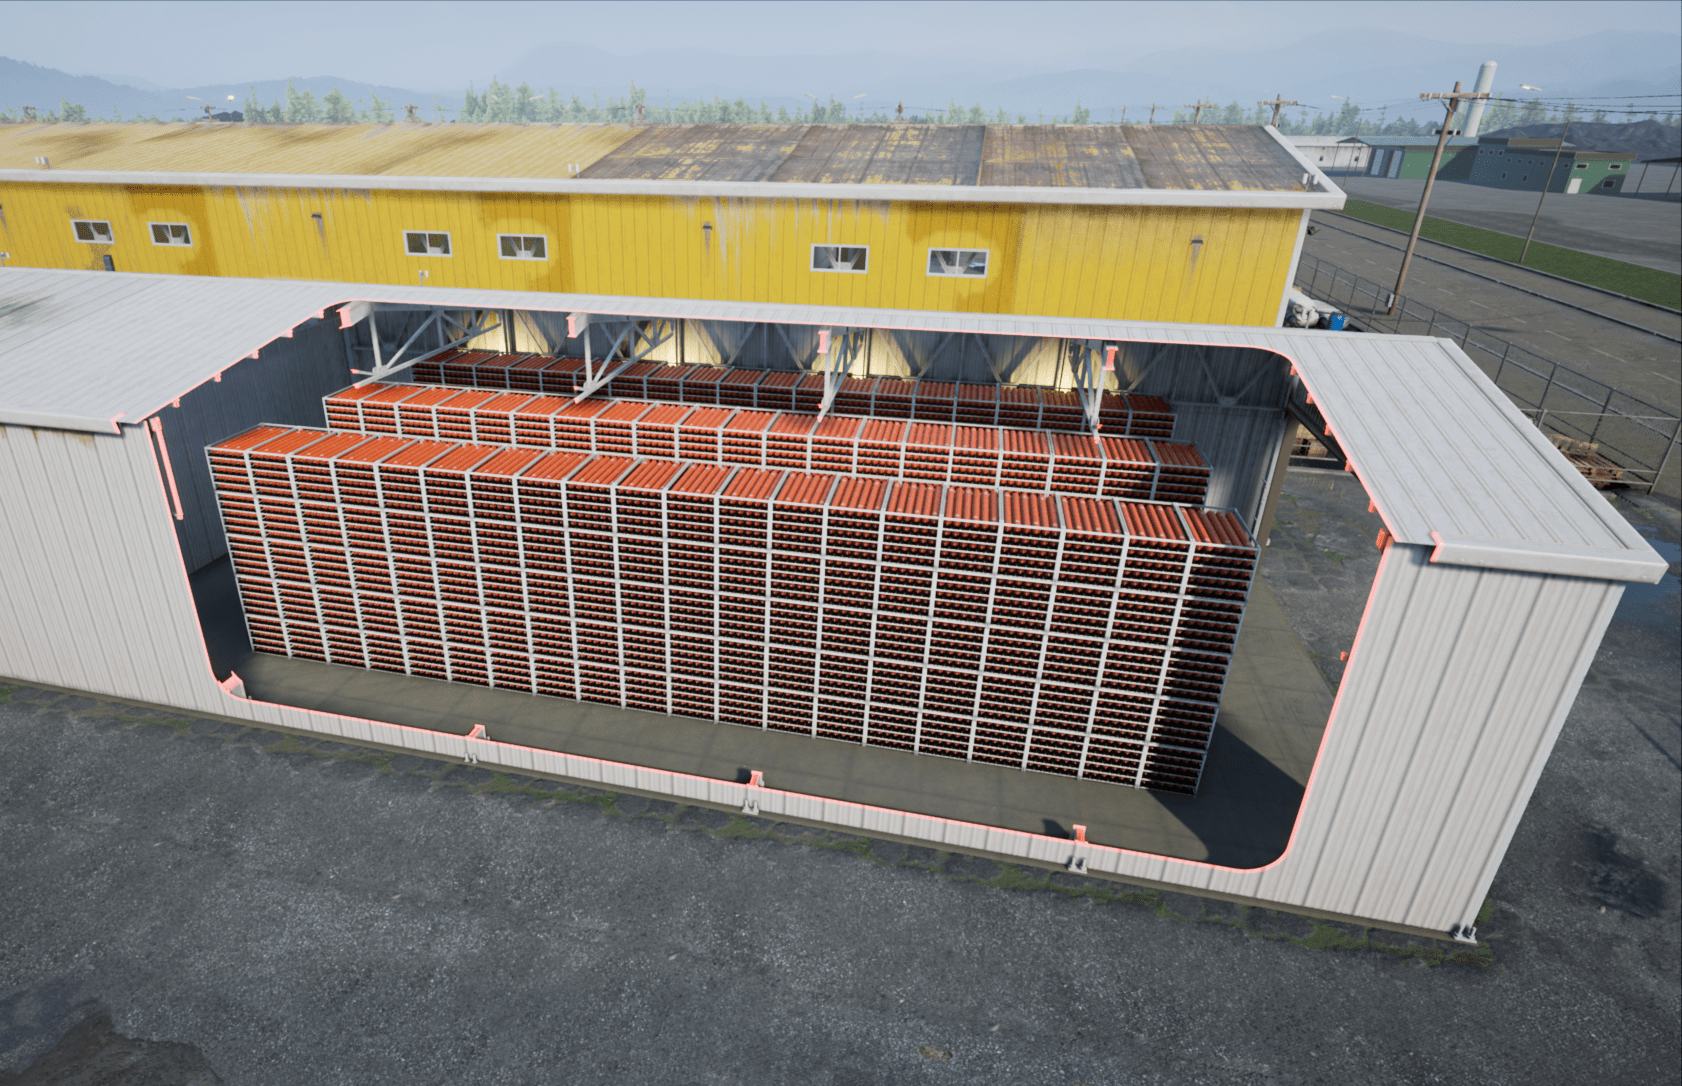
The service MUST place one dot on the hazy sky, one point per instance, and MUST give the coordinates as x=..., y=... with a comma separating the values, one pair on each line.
x=431, y=44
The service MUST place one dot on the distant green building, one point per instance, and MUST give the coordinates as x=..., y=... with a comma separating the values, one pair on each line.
x=1410, y=156
x=1512, y=162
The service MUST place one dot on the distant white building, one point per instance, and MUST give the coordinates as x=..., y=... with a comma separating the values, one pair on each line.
x=1330, y=155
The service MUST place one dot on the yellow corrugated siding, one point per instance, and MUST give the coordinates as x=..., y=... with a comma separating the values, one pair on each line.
x=1121, y=262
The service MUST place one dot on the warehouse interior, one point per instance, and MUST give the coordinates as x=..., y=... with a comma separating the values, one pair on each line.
x=1229, y=401
x=1376, y=804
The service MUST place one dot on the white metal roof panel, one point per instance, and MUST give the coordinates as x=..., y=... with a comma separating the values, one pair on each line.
x=1447, y=459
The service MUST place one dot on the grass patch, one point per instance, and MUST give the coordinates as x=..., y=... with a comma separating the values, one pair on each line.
x=6, y=693
x=1648, y=284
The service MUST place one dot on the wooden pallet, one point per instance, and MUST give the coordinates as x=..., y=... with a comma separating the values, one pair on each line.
x=1585, y=456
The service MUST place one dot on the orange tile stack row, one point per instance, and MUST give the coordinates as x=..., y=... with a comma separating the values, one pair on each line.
x=1120, y=467
x=772, y=390
x=1070, y=634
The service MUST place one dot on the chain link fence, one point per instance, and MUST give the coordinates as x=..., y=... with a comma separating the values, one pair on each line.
x=1588, y=418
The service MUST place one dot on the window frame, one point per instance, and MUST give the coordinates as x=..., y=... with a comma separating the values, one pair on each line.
x=839, y=271
x=186, y=232
x=110, y=237
x=986, y=263
x=449, y=243
x=544, y=238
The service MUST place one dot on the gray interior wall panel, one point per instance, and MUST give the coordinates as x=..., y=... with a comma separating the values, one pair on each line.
x=1240, y=444
x=284, y=385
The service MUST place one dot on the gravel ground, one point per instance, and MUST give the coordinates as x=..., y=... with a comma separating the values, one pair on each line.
x=252, y=907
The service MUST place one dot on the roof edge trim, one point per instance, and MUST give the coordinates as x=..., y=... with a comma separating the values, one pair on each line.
x=1324, y=183
x=760, y=190
x=1559, y=559
x=58, y=420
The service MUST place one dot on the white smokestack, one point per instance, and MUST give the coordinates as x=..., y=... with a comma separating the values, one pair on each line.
x=1474, y=115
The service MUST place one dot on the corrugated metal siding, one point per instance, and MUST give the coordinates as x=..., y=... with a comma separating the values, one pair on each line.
x=1135, y=263
x=1410, y=806
x=1240, y=444
x=283, y=385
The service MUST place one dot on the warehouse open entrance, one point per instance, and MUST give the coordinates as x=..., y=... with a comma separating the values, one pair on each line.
x=1260, y=751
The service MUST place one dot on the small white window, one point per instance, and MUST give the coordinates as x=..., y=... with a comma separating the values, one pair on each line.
x=1614, y=165
x=425, y=243
x=1609, y=183
x=1582, y=165
x=171, y=233
x=91, y=231
x=840, y=258
x=523, y=246
x=970, y=262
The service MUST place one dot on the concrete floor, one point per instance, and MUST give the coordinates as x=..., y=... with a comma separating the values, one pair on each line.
x=1269, y=730
x=1645, y=232
x=285, y=910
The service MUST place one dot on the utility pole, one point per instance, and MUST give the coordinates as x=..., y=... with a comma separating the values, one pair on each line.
x=1277, y=103
x=410, y=110
x=1198, y=107
x=1124, y=110
x=1451, y=101
x=1154, y=108
x=1548, y=183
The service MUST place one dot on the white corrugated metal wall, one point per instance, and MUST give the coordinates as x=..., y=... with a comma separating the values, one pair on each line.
x=1457, y=687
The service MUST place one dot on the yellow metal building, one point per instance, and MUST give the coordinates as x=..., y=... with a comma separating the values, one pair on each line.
x=1199, y=224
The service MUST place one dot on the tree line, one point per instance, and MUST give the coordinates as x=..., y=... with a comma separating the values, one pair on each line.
x=500, y=103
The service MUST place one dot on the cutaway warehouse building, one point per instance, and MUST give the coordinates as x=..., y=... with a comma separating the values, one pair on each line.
x=1497, y=580
x=1144, y=222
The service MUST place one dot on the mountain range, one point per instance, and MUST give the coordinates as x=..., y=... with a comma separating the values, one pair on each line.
x=1375, y=68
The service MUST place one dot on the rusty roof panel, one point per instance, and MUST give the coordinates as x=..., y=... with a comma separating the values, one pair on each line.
x=700, y=152
x=874, y=154
x=1230, y=157
x=1060, y=156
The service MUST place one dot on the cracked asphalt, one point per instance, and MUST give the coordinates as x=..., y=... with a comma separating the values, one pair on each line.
x=248, y=906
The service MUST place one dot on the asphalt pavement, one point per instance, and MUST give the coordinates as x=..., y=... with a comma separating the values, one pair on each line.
x=1645, y=232
x=250, y=907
